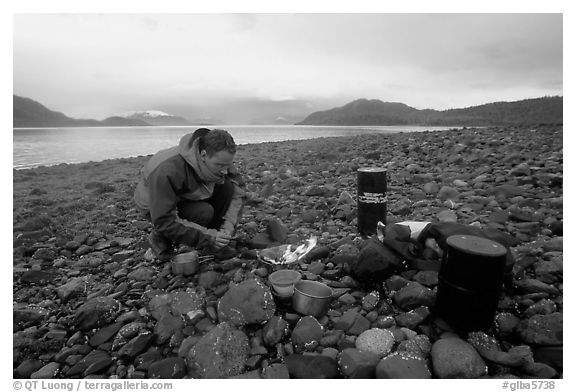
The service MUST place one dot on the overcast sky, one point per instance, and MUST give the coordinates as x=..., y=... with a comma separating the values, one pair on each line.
x=97, y=65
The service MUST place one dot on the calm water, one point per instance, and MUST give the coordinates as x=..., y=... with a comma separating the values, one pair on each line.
x=34, y=147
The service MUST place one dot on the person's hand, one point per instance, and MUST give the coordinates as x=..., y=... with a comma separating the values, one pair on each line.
x=227, y=227
x=220, y=238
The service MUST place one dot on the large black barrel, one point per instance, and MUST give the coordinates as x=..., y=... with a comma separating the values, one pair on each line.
x=371, y=198
x=474, y=263
x=466, y=310
x=470, y=282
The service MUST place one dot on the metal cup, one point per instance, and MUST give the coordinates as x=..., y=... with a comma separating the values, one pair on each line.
x=185, y=263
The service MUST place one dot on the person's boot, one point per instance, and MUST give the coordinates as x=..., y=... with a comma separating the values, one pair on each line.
x=162, y=247
x=225, y=253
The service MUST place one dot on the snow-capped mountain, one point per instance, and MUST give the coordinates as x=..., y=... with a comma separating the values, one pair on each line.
x=156, y=117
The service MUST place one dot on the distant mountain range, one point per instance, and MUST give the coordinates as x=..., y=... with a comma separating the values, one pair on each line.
x=545, y=110
x=29, y=114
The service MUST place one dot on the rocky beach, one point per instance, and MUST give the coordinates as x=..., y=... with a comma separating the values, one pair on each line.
x=88, y=302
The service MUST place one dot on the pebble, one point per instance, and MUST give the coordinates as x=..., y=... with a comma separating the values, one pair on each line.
x=49, y=370
x=274, y=331
x=136, y=345
x=455, y=358
x=27, y=368
x=220, y=353
x=347, y=299
x=370, y=301
x=307, y=334
x=311, y=367
x=375, y=340
x=168, y=368
x=447, y=193
x=542, y=330
x=275, y=371
x=554, y=244
x=96, y=312
x=447, y=216
x=413, y=295
x=355, y=363
x=464, y=179
x=402, y=366
x=246, y=303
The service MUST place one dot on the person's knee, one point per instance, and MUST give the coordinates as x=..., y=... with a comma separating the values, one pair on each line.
x=200, y=212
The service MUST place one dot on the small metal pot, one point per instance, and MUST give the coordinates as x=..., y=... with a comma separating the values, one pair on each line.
x=283, y=281
x=311, y=298
x=185, y=263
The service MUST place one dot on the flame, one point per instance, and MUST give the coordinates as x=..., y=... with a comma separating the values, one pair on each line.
x=298, y=253
x=291, y=256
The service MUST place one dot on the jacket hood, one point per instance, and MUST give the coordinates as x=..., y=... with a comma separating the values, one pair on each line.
x=188, y=149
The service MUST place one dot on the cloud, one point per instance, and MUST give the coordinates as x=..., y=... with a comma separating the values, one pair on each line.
x=150, y=23
x=428, y=60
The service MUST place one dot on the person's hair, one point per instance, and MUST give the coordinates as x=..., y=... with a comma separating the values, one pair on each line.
x=215, y=140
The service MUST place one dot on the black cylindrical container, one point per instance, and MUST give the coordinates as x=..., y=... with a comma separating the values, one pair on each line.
x=474, y=263
x=371, y=199
x=466, y=310
x=470, y=282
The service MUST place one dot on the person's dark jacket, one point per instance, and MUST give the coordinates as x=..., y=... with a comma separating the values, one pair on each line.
x=168, y=178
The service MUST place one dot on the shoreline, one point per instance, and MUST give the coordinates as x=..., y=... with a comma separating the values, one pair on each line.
x=373, y=129
x=78, y=238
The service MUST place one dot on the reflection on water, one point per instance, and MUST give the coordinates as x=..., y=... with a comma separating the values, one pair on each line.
x=34, y=147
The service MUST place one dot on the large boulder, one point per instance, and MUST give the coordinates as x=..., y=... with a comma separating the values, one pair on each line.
x=455, y=358
x=345, y=254
x=249, y=302
x=376, y=262
x=220, y=353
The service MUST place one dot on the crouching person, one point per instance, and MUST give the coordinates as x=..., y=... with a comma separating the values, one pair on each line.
x=192, y=193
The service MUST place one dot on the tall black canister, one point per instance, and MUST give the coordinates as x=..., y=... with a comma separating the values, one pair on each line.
x=371, y=198
x=470, y=282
